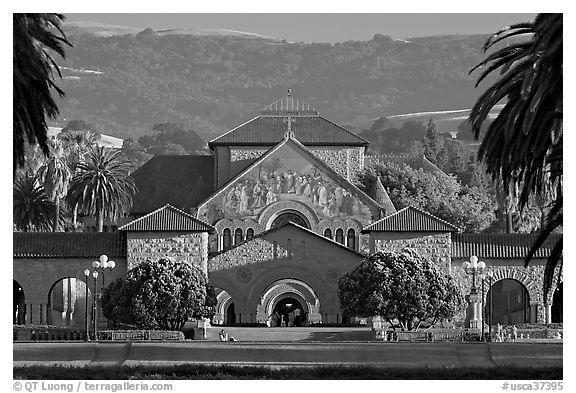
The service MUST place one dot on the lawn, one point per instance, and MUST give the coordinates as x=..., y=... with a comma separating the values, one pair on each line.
x=261, y=372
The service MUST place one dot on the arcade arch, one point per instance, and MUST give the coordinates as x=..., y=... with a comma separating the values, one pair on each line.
x=66, y=304
x=557, y=304
x=19, y=304
x=510, y=303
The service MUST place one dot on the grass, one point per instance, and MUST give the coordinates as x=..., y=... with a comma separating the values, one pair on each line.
x=184, y=372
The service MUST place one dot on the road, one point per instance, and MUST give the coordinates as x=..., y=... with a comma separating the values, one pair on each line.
x=378, y=354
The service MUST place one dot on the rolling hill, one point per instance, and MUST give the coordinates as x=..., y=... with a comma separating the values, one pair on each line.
x=124, y=81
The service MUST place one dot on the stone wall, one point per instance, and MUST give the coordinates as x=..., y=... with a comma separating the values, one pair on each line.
x=347, y=161
x=177, y=246
x=239, y=154
x=436, y=246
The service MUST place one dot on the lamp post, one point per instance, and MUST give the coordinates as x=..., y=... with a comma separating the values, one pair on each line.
x=474, y=268
x=99, y=266
x=87, y=275
x=490, y=275
x=95, y=275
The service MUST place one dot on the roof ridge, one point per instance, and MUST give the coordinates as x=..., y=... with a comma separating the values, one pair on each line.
x=344, y=129
x=368, y=227
x=167, y=206
x=233, y=129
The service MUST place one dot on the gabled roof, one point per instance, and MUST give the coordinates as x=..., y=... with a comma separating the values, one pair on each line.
x=411, y=219
x=167, y=218
x=268, y=128
x=181, y=181
x=500, y=245
x=290, y=138
x=293, y=224
x=413, y=161
x=69, y=244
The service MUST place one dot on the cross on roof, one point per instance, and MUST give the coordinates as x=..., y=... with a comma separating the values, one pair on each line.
x=289, y=119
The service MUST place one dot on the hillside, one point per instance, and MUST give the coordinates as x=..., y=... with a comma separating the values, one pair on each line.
x=124, y=83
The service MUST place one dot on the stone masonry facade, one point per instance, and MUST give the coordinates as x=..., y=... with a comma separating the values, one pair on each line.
x=177, y=246
x=348, y=161
x=435, y=246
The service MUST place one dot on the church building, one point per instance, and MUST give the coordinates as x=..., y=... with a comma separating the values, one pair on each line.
x=273, y=218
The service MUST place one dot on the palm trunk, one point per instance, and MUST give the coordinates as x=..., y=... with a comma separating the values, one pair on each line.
x=100, y=217
x=57, y=215
x=75, y=217
x=509, y=226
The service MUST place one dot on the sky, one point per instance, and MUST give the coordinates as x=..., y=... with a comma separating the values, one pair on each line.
x=317, y=27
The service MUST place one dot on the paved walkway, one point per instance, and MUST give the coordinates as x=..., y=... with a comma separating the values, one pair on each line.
x=376, y=354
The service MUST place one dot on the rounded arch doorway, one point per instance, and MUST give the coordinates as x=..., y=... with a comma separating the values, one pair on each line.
x=289, y=311
x=284, y=300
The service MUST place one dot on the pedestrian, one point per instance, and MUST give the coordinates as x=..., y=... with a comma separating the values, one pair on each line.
x=223, y=336
x=514, y=333
x=499, y=333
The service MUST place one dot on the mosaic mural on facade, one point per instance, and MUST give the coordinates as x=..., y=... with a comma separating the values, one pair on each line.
x=286, y=174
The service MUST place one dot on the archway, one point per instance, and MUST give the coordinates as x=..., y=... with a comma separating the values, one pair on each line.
x=223, y=303
x=19, y=308
x=509, y=301
x=67, y=303
x=290, y=216
x=289, y=311
x=279, y=294
x=230, y=314
x=557, y=300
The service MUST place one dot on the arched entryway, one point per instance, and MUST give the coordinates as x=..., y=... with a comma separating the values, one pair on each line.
x=277, y=297
x=289, y=312
x=225, y=311
x=67, y=303
x=509, y=301
x=19, y=308
x=557, y=300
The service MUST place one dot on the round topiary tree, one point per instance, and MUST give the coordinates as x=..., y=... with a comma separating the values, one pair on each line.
x=402, y=288
x=160, y=294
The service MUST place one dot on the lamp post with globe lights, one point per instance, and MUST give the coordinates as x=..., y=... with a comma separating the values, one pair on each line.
x=87, y=275
x=474, y=315
x=100, y=267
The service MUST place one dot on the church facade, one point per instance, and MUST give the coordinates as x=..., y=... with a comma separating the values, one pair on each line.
x=273, y=218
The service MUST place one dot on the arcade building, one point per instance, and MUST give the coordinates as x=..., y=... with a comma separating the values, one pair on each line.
x=274, y=220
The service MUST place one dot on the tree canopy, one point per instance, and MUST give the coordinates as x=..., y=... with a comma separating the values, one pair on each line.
x=442, y=195
x=402, y=288
x=36, y=38
x=159, y=294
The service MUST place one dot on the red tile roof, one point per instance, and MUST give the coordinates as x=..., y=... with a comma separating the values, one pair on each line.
x=167, y=218
x=413, y=161
x=69, y=244
x=500, y=245
x=182, y=181
x=309, y=130
x=411, y=219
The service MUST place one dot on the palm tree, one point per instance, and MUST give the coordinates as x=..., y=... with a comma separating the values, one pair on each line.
x=102, y=186
x=76, y=143
x=523, y=145
x=55, y=176
x=32, y=211
x=35, y=36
